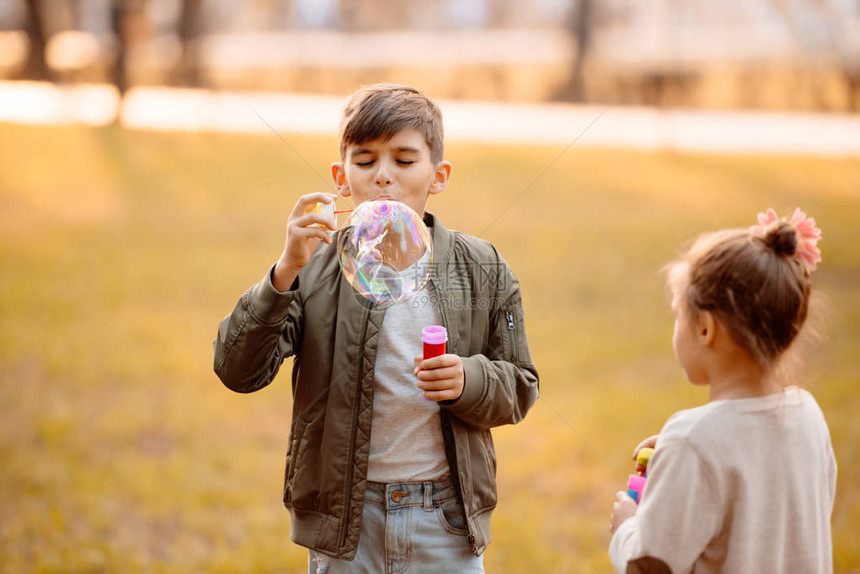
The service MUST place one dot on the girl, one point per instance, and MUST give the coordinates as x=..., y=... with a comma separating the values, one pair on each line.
x=746, y=482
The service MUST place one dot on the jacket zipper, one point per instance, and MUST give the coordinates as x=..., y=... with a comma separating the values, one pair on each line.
x=512, y=335
x=349, y=473
x=455, y=472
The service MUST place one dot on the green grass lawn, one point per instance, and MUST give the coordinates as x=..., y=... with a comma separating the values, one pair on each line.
x=120, y=251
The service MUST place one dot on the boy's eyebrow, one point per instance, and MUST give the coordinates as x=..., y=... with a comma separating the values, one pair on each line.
x=401, y=149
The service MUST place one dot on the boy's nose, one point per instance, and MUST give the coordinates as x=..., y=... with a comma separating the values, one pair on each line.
x=383, y=178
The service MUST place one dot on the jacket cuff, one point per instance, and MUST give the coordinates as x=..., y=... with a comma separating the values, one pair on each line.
x=474, y=382
x=269, y=305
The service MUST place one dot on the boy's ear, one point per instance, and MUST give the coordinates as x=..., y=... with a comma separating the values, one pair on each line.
x=338, y=174
x=706, y=328
x=440, y=177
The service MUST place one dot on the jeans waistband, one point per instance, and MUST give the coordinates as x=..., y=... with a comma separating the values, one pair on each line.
x=402, y=494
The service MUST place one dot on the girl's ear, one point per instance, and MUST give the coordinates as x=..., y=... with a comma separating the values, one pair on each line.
x=338, y=174
x=440, y=177
x=706, y=328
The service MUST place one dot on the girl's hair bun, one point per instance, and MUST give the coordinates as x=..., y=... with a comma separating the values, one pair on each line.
x=797, y=235
x=781, y=238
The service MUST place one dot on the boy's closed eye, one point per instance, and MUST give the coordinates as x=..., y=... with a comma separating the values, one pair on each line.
x=370, y=162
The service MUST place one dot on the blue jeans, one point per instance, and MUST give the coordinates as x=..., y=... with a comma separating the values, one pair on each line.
x=408, y=528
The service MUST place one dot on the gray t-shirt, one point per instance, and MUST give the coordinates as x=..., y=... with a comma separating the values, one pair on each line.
x=406, y=437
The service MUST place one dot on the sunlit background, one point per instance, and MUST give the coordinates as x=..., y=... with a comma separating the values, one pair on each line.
x=151, y=150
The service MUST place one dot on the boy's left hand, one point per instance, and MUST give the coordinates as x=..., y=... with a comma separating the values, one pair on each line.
x=441, y=378
x=624, y=508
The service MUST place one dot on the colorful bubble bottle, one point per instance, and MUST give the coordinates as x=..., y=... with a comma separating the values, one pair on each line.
x=435, y=339
x=636, y=483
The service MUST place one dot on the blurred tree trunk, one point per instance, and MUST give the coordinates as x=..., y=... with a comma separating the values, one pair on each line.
x=36, y=68
x=582, y=24
x=189, y=31
x=128, y=23
x=852, y=86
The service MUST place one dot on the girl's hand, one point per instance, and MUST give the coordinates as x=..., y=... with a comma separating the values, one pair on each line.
x=650, y=442
x=305, y=229
x=624, y=508
x=441, y=378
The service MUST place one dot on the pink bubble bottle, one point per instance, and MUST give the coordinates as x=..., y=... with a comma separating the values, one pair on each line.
x=435, y=339
x=636, y=483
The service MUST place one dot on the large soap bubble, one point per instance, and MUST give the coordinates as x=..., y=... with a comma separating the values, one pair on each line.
x=385, y=251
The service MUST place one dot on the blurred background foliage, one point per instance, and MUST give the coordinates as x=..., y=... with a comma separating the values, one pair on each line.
x=766, y=54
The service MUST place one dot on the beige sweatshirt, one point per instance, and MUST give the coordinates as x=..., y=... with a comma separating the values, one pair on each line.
x=737, y=486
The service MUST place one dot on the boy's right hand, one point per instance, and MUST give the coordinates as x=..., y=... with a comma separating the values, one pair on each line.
x=305, y=229
x=650, y=442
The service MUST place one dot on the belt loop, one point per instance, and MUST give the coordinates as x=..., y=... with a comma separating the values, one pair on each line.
x=428, y=496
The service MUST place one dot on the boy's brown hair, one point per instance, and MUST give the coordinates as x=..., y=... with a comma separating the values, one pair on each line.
x=383, y=110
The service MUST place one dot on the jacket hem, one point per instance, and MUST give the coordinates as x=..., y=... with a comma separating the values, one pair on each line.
x=312, y=530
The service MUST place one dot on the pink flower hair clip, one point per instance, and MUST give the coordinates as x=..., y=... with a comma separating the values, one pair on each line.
x=808, y=235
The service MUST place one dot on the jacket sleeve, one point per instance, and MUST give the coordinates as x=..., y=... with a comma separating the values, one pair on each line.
x=501, y=385
x=263, y=329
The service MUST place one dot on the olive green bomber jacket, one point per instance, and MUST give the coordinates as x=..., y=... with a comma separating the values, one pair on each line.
x=332, y=333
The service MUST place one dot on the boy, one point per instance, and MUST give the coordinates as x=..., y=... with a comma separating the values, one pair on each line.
x=390, y=463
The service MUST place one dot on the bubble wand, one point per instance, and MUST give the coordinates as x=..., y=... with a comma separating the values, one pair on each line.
x=328, y=211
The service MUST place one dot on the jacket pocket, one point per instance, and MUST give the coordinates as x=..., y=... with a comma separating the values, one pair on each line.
x=483, y=471
x=489, y=451
x=303, y=469
x=292, y=457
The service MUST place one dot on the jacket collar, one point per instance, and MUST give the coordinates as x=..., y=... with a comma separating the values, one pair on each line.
x=443, y=252
x=442, y=238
